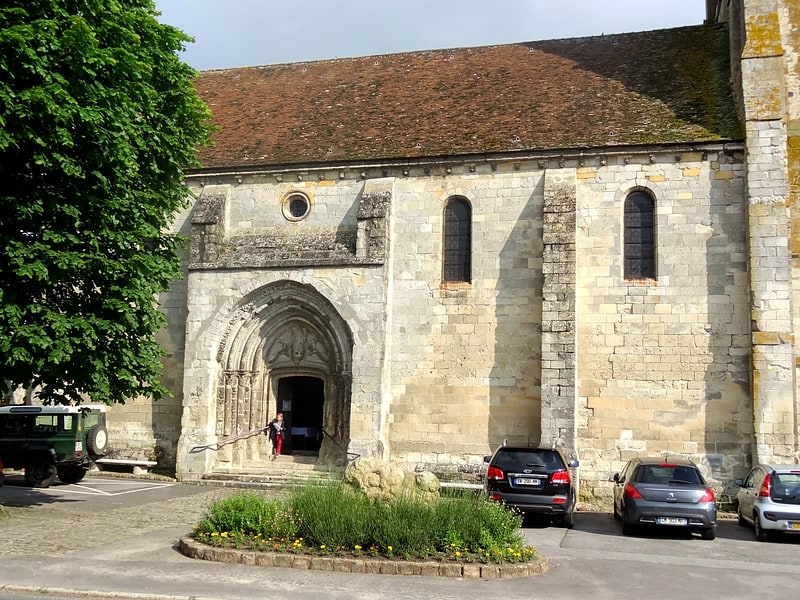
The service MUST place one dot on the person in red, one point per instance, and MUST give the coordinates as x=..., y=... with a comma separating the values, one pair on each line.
x=277, y=431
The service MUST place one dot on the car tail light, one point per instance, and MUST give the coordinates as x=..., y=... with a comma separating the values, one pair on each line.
x=495, y=473
x=708, y=496
x=667, y=465
x=78, y=448
x=632, y=492
x=560, y=477
x=766, y=486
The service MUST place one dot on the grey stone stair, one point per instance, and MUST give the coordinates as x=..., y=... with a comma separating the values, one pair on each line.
x=280, y=473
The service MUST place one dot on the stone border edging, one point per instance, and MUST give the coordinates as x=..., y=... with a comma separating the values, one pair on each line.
x=368, y=565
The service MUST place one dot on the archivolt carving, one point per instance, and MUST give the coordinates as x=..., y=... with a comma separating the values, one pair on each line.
x=241, y=314
x=285, y=328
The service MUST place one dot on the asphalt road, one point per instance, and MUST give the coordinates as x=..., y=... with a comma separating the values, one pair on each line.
x=109, y=538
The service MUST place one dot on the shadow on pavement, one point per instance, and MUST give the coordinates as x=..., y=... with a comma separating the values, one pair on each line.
x=16, y=493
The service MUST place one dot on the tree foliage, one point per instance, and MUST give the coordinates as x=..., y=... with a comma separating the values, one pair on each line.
x=98, y=118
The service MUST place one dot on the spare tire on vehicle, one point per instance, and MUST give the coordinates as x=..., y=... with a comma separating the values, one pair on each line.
x=96, y=440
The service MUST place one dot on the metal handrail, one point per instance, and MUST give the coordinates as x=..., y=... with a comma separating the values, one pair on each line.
x=228, y=440
x=347, y=454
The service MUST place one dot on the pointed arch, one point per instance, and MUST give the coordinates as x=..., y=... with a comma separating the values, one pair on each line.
x=284, y=329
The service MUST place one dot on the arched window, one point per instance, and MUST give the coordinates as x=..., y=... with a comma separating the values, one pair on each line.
x=640, y=248
x=457, y=241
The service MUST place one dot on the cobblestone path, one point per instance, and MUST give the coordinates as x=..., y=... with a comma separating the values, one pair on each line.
x=62, y=527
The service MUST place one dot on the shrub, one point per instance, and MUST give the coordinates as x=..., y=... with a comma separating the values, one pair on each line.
x=332, y=515
x=406, y=525
x=249, y=514
x=332, y=518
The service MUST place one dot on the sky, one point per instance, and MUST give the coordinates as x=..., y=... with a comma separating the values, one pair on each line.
x=239, y=33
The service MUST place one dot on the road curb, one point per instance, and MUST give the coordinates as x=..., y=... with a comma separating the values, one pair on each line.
x=42, y=590
x=368, y=565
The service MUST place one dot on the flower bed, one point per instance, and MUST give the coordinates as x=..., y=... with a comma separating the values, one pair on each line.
x=316, y=522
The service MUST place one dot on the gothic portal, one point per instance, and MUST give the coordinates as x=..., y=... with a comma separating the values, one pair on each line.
x=285, y=349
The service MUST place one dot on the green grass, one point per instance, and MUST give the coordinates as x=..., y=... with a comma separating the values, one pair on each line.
x=334, y=519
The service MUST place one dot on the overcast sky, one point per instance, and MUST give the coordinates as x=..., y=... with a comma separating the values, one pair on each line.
x=237, y=33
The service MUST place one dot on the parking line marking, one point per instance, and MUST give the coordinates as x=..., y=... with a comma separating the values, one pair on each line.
x=92, y=491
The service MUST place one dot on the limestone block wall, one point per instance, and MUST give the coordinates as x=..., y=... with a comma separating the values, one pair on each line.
x=768, y=65
x=465, y=358
x=217, y=284
x=790, y=18
x=663, y=364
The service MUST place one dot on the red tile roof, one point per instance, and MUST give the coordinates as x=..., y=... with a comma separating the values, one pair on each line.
x=639, y=88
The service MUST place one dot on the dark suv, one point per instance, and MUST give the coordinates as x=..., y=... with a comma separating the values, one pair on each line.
x=52, y=440
x=532, y=481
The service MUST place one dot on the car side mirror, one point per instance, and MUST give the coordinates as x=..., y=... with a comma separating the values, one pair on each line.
x=739, y=482
x=574, y=463
x=487, y=459
x=615, y=478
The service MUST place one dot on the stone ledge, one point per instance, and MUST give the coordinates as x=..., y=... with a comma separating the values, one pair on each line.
x=372, y=566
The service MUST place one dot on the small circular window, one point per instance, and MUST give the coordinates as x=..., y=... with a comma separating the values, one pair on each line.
x=296, y=206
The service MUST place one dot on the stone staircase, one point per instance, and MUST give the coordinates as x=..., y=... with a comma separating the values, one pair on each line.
x=281, y=473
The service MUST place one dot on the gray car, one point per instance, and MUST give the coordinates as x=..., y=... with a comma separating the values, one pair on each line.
x=664, y=492
x=769, y=500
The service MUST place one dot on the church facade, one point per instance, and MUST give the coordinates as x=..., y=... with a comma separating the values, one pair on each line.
x=591, y=243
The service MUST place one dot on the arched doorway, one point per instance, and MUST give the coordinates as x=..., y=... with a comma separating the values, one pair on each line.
x=301, y=400
x=286, y=349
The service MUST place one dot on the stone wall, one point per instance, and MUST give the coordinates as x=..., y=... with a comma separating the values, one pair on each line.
x=664, y=364
x=442, y=373
x=464, y=359
x=768, y=66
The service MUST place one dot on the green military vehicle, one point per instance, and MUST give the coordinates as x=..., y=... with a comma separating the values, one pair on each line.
x=47, y=441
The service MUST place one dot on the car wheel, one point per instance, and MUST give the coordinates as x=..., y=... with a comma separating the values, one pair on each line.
x=709, y=533
x=762, y=535
x=568, y=519
x=71, y=474
x=39, y=473
x=627, y=527
x=740, y=519
x=96, y=440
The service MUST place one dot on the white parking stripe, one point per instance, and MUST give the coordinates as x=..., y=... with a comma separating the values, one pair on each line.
x=93, y=490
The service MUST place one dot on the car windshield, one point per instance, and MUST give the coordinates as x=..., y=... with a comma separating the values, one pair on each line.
x=664, y=474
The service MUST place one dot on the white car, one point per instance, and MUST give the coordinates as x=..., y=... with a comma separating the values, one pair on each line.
x=769, y=499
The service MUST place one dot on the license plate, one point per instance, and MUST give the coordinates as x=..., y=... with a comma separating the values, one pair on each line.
x=528, y=481
x=795, y=524
x=671, y=521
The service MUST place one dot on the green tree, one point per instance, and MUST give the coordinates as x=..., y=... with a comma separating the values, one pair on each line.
x=98, y=118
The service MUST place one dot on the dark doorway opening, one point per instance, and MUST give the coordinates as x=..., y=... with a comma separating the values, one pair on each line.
x=300, y=399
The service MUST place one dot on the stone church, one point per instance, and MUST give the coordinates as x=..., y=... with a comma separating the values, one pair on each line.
x=585, y=242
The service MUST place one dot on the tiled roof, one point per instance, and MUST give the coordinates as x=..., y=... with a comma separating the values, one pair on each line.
x=640, y=88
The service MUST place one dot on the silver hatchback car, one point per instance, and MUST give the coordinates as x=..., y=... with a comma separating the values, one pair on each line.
x=769, y=499
x=664, y=492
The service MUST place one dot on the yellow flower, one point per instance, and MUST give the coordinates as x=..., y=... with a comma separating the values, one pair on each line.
x=357, y=547
x=389, y=548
